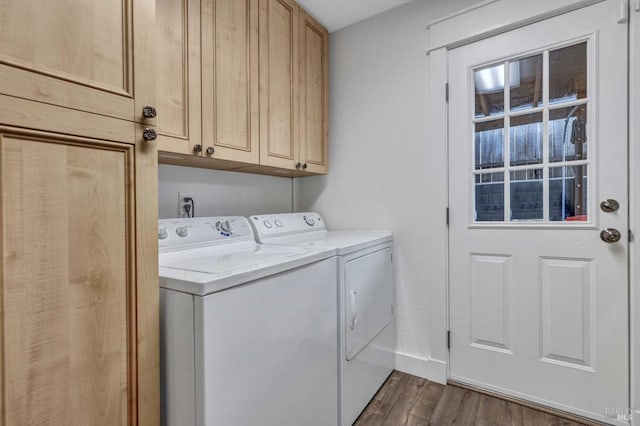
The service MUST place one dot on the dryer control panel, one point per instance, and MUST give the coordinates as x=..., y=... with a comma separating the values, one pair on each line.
x=183, y=232
x=276, y=225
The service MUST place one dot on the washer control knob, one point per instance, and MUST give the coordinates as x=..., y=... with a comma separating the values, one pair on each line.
x=225, y=226
x=162, y=234
x=182, y=231
x=267, y=224
x=278, y=223
x=309, y=220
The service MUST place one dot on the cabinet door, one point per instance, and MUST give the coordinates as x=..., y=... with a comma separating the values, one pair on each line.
x=178, y=75
x=79, y=301
x=230, y=79
x=279, y=83
x=314, y=70
x=80, y=54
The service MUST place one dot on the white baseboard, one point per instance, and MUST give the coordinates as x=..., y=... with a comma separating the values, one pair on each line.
x=427, y=368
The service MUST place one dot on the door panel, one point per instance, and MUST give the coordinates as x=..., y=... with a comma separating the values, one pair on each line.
x=538, y=138
x=65, y=290
x=79, y=289
x=368, y=292
x=178, y=75
x=279, y=83
x=314, y=67
x=78, y=54
x=230, y=99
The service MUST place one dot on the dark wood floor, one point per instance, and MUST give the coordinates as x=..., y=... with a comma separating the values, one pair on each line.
x=410, y=400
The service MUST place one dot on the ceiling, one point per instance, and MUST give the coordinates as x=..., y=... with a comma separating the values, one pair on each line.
x=336, y=14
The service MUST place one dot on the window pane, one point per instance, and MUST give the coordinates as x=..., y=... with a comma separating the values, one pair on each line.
x=568, y=199
x=568, y=73
x=489, y=140
x=525, y=77
x=489, y=84
x=568, y=134
x=525, y=139
x=526, y=195
x=489, y=197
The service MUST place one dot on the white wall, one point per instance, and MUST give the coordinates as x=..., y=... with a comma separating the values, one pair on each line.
x=220, y=193
x=378, y=131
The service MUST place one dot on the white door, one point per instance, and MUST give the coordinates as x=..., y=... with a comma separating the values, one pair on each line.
x=537, y=140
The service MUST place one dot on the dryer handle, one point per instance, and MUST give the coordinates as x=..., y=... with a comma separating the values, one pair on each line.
x=352, y=306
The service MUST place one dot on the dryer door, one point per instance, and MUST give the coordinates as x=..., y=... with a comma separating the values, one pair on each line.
x=368, y=299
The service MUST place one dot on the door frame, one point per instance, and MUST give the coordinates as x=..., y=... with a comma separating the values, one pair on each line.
x=482, y=22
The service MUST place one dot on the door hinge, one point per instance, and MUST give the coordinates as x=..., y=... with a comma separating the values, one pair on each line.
x=446, y=92
x=447, y=216
x=448, y=339
x=623, y=18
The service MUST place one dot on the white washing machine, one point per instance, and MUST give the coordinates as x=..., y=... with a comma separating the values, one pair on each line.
x=366, y=296
x=248, y=331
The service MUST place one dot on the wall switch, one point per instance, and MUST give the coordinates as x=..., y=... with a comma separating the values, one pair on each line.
x=182, y=210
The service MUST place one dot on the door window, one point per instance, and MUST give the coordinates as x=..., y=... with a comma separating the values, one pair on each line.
x=531, y=138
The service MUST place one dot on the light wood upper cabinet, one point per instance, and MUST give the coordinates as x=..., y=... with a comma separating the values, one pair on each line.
x=78, y=288
x=178, y=75
x=80, y=54
x=314, y=84
x=279, y=50
x=230, y=98
x=264, y=86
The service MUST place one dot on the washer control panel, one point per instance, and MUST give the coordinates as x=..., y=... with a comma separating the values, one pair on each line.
x=276, y=225
x=224, y=227
x=175, y=233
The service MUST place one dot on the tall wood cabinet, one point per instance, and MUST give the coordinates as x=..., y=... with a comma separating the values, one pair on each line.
x=79, y=323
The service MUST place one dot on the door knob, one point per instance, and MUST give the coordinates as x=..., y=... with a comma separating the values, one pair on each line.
x=609, y=205
x=610, y=235
x=149, y=134
x=149, y=112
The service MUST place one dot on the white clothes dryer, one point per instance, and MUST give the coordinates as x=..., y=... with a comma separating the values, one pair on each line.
x=248, y=331
x=366, y=299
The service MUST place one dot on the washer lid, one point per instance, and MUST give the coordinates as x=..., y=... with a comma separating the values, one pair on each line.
x=206, y=270
x=343, y=242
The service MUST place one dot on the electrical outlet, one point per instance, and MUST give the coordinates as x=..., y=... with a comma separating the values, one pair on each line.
x=181, y=203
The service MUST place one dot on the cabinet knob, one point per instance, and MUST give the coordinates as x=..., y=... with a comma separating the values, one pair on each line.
x=210, y=150
x=304, y=166
x=149, y=134
x=149, y=112
x=197, y=148
x=298, y=165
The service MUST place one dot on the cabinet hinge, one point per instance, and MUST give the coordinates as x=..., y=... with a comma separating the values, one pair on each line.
x=448, y=339
x=447, y=216
x=446, y=91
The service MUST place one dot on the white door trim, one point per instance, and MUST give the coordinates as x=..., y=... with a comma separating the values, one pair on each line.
x=438, y=172
x=634, y=203
x=490, y=18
